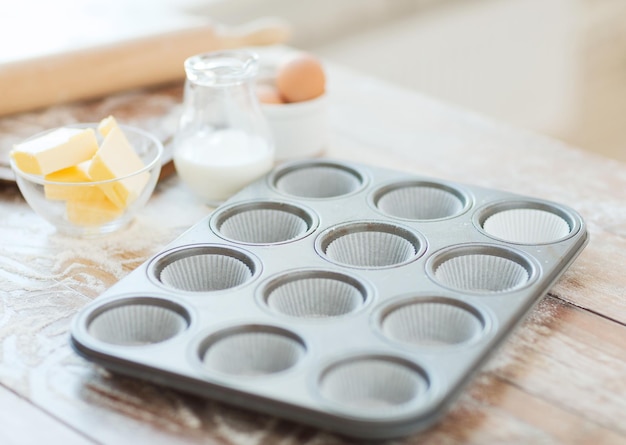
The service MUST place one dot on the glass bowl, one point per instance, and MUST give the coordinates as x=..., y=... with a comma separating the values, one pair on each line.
x=87, y=212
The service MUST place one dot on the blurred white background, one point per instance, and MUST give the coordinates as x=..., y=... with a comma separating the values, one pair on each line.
x=557, y=67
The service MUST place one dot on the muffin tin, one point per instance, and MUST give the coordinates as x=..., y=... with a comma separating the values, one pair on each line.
x=356, y=299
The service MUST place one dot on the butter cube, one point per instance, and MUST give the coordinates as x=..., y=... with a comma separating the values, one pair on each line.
x=92, y=212
x=106, y=124
x=76, y=173
x=115, y=159
x=55, y=151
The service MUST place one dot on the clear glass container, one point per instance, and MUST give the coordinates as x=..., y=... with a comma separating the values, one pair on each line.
x=223, y=141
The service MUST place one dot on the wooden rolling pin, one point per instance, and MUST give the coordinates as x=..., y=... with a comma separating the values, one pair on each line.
x=145, y=61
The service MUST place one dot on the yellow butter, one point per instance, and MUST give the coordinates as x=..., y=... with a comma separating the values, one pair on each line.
x=115, y=159
x=106, y=124
x=76, y=173
x=76, y=192
x=92, y=212
x=56, y=150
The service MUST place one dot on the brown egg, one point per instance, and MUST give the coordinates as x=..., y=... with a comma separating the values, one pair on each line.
x=301, y=78
x=268, y=94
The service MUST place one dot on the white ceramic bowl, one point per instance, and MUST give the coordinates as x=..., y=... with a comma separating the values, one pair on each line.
x=300, y=129
x=92, y=220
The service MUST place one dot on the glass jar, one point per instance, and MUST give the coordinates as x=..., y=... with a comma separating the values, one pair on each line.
x=223, y=141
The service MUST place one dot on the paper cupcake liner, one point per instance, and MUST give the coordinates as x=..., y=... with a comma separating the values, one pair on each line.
x=527, y=226
x=367, y=385
x=370, y=245
x=482, y=273
x=263, y=223
x=314, y=294
x=204, y=269
x=432, y=322
x=137, y=323
x=318, y=181
x=252, y=351
x=419, y=201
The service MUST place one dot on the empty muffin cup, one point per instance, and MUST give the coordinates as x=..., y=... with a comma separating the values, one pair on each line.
x=204, y=268
x=317, y=180
x=373, y=385
x=137, y=321
x=420, y=200
x=263, y=222
x=314, y=294
x=526, y=222
x=434, y=321
x=370, y=245
x=251, y=350
x=481, y=269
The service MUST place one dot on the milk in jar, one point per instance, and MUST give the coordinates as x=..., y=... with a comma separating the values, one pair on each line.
x=228, y=159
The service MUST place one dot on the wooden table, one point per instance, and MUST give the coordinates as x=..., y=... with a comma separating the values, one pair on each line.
x=560, y=378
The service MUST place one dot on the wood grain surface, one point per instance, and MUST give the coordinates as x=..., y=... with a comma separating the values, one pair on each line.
x=559, y=378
